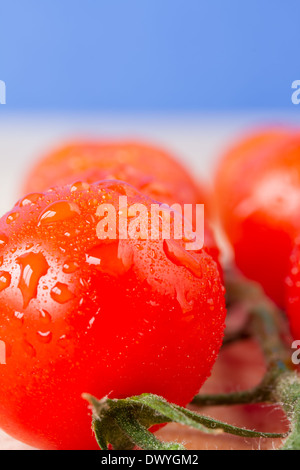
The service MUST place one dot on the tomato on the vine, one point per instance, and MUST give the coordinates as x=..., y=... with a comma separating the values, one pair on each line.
x=258, y=195
x=81, y=314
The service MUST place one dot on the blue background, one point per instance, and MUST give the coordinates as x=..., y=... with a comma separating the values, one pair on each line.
x=149, y=55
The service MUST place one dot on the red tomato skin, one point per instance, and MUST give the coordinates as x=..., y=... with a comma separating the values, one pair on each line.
x=150, y=169
x=136, y=321
x=258, y=196
x=292, y=291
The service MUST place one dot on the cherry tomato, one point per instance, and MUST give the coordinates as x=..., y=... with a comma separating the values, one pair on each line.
x=150, y=169
x=82, y=314
x=258, y=195
x=292, y=283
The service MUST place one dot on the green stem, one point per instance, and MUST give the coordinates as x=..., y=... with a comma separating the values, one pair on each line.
x=287, y=392
x=281, y=384
x=143, y=438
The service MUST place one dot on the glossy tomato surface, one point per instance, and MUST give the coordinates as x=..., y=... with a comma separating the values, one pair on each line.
x=81, y=314
x=258, y=195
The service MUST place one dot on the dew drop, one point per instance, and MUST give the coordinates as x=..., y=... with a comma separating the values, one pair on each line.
x=80, y=186
x=61, y=293
x=111, y=258
x=58, y=211
x=19, y=318
x=179, y=256
x=31, y=199
x=33, y=267
x=70, y=267
x=3, y=239
x=12, y=217
x=63, y=341
x=44, y=337
x=5, y=280
x=28, y=348
x=185, y=305
x=91, y=322
x=45, y=317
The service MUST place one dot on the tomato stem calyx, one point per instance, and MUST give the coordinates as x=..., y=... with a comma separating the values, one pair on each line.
x=125, y=423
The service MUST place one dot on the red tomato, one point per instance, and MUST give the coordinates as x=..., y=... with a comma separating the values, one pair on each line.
x=107, y=317
x=150, y=169
x=293, y=291
x=258, y=194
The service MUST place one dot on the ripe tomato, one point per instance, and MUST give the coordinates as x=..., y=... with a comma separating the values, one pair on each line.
x=293, y=291
x=258, y=194
x=107, y=317
x=150, y=169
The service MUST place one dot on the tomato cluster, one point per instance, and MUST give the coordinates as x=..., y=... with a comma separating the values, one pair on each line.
x=81, y=313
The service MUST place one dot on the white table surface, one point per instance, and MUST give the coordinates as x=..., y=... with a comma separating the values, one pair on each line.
x=198, y=140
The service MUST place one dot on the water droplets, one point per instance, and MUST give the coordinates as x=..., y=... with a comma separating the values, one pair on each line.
x=28, y=348
x=33, y=267
x=31, y=199
x=5, y=280
x=70, y=267
x=179, y=256
x=45, y=317
x=44, y=337
x=80, y=186
x=113, y=258
x=18, y=318
x=3, y=240
x=61, y=293
x=12, y=217
x=58, y=212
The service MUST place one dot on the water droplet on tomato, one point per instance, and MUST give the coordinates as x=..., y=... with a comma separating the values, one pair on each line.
x=28, y=348
x=31, y=199
x=45, y=317
x=61, y=293
x=70, y=267
x=19, y=318
x=5, y=280
x=12, y=217
x=185, y=305
x=80, y=186
x=44, y=337
x=3, y=240
x=179, y=256
x=112, y=258
x=58, y=211
x=33, y=267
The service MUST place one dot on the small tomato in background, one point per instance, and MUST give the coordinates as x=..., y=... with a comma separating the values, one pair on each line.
x=150, y=169
x=107, y=317
x=258, y=196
